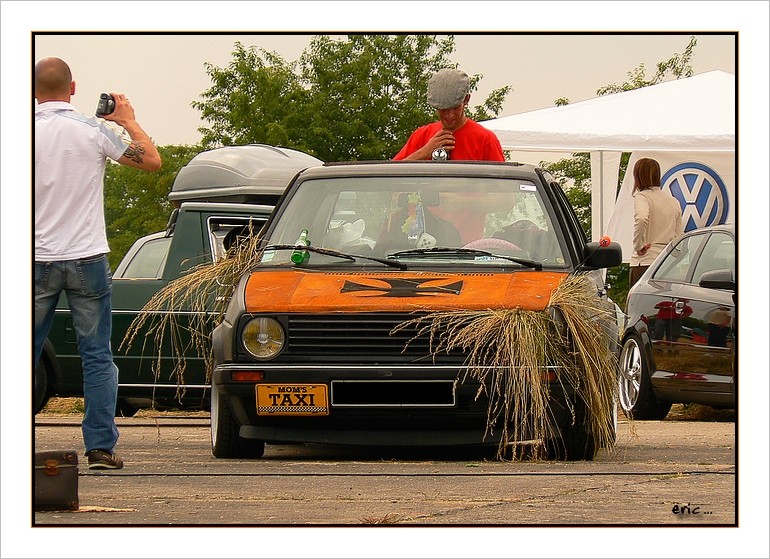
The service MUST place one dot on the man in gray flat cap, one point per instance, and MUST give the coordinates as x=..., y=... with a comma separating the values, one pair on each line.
x=461, y=138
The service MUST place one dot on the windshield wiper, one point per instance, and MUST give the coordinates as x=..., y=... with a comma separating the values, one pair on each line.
x=338, y=254
x=467, y=251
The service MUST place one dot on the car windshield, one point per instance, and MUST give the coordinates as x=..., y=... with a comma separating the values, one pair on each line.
x=390, y=217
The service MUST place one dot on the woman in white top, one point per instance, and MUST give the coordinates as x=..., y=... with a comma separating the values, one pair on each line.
x=657, y=218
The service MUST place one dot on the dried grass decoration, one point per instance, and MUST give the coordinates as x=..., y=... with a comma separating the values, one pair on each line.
x=204, y=293
x=508, y=351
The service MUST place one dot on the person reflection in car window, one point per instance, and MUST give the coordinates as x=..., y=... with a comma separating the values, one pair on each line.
x=718, y=326
x=668, y=320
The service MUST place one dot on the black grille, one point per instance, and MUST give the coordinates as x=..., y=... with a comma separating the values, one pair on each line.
x=363, y=338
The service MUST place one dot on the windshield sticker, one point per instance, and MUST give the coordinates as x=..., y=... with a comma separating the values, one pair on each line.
x=527, y=187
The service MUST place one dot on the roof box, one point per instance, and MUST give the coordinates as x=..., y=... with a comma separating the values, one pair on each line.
x=256, y=174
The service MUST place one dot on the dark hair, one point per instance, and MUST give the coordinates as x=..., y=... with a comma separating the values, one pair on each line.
x=646, y=174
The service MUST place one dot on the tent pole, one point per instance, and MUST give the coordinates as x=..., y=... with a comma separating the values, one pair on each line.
x=601, y=195
x=597, y=195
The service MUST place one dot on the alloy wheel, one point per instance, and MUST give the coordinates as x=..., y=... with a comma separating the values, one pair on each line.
x=630, y=378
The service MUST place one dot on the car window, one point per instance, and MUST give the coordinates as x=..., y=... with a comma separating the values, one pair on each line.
x=578, y=237
x=149, y=259
x=718, y=254
x=676, y=264
x=378, y=216
x=224, y=232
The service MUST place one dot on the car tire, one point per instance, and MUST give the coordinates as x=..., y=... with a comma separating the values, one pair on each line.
x=575, y=441
x=225, y=440
x=41, y=385
x=634, y=385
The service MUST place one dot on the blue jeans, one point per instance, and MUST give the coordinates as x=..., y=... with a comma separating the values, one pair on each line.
x=88, y=286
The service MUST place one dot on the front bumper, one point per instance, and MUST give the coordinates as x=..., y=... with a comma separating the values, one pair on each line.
x=398, y=405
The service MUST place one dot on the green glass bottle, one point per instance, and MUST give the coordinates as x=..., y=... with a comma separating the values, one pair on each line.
x=300, y=256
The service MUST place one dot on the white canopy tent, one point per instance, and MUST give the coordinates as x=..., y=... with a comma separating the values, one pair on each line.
x=689, y=115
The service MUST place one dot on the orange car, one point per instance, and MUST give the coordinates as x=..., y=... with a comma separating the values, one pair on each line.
x=333, y=337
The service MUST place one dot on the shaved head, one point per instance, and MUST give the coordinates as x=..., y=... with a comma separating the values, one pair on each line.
x=53, y=80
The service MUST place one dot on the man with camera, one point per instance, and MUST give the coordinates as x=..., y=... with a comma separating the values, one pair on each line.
x=71, y=152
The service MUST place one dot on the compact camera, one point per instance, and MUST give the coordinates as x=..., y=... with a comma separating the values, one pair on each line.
x=106, y=104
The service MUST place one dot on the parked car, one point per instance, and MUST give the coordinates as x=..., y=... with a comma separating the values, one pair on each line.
x=680, y=344
x=220, y=191
x=312, y=350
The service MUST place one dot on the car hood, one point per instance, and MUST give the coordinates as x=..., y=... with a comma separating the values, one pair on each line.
x=323, y=292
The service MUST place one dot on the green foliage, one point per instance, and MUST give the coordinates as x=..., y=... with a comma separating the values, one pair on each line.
x=367, y=90
x=136, y=202
x=353, y=99
x=257, y=98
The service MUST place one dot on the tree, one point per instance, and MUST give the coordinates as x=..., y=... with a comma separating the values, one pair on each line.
x=356, y=98
x=136, y=202
x=574, y=173
x=257, y=98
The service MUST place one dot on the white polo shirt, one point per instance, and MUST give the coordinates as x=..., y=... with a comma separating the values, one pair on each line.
x=71, y=152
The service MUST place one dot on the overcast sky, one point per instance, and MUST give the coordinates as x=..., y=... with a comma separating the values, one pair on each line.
x=163, y=75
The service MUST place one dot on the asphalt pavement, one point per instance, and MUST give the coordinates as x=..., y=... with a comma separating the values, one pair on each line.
x=368, y=502
x=171, y=478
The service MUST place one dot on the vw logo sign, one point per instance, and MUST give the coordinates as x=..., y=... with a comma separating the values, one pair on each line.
x=701, y=193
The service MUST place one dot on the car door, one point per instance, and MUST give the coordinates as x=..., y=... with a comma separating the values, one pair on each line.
x=667, y=309
x=703, y=360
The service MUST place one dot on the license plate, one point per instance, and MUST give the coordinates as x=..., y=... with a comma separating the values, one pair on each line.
x=292, y=399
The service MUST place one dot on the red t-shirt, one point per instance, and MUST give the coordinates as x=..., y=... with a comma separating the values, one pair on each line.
x=473, y=142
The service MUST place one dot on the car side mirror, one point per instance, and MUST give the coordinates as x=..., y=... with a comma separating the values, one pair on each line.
x=718, y=279
x=596, y=256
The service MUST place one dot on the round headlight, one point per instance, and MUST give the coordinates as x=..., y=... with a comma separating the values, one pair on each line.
x=263, y=337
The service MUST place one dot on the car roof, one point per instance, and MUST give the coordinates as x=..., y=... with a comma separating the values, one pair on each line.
x=727, y=227
x=491, y=169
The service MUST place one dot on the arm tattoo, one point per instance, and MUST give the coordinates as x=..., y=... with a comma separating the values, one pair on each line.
x=134, y=152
